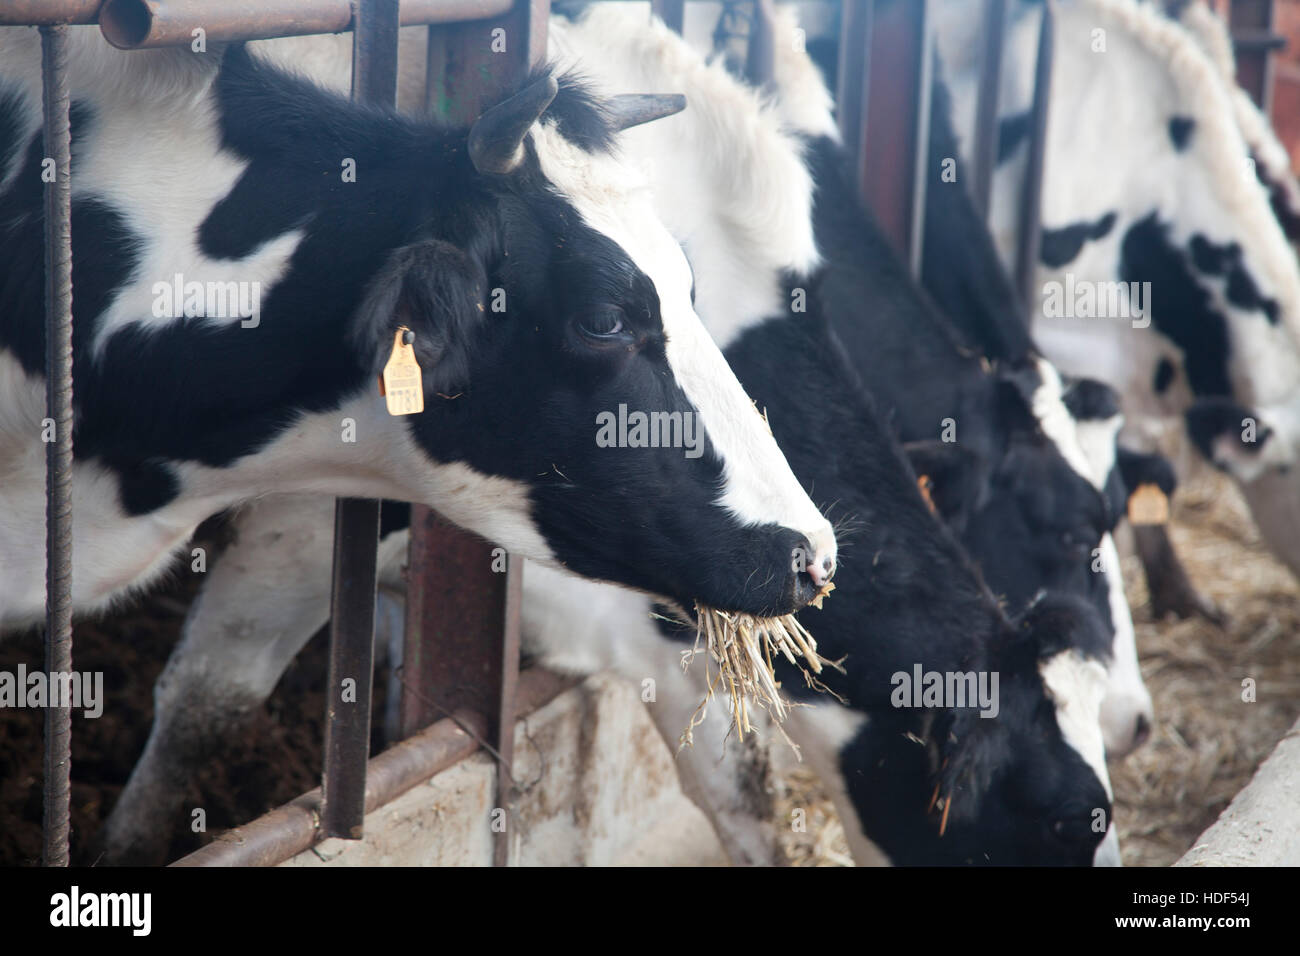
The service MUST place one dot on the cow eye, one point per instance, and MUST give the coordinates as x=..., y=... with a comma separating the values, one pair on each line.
x=603, y=324
x=1073, y=829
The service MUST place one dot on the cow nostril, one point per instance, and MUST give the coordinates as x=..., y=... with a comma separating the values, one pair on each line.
x=1141, y=731
x=828, y=567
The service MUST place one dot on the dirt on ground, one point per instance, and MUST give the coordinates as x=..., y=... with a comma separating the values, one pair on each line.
x=276, y=760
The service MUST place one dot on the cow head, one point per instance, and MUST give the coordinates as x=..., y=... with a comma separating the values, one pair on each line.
x=1027, y=786
x=568, y=379
x=1043, y=521
x=1165, y=265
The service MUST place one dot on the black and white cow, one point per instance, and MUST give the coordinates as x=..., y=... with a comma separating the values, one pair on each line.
x=1272, y=162
x=920, y=586
x=1159, y=188
x=1029, y=786
x=524, y=257
x=1023, y=466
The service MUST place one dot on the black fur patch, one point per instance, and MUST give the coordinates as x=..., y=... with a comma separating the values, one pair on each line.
x=1164, y=377
x=1180, y=131
x=1288, y=218
x=1180, y=308
x=1243, y=292
x=1218, y=259
x=1212, y=258
x=1138, y=468
x=1012, y=131
x=1089, y=400
x=1060, y=246
x=146, y=486
x=1208, y=419
x=579, y=115
x=11, y=125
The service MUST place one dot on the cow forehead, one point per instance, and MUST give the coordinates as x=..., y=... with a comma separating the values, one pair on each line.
x=1058, y=424
x=1076, y=685
x=613, y=198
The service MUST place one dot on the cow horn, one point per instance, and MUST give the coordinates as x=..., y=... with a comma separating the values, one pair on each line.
x=496, y=140
x=632, y=109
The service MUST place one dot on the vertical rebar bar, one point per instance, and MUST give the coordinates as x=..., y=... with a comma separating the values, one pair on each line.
x=58, y=453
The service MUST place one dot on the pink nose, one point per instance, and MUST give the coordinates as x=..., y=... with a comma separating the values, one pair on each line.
x=821, y=568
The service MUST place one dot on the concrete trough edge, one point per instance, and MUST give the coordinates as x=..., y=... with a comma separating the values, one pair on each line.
x=288, y=830
x=1261, y=827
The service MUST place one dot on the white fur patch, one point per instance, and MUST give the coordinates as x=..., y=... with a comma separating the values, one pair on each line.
x=1127, y=697
x=1058, y=424
x=1077, y=685
x=728, y=181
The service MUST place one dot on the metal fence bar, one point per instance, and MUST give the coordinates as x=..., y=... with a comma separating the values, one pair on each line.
x=58, y=453
x=856, y=23
x=137, y=24
x=35, y=13
x=1031, y=199
x=356, y=524
x=290, y=829
x=1252, y=23
x=985, y=150
x=461, y=646
x=671, y=12
x=760, y=58
x=895, y=130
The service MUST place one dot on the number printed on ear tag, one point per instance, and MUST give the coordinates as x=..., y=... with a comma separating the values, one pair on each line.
x=402, y=385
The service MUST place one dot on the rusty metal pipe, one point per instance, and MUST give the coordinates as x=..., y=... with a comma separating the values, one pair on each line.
x=140, y=24
x=292, y=828
x=356, y=521
x=38, y=13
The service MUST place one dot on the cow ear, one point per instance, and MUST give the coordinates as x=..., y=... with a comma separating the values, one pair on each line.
x=948, y=476
x=973, y=748
x=1060, y=621
x=438, y=292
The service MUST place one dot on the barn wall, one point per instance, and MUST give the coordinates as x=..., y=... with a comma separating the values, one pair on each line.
x=1261, y=827
x=601, y=790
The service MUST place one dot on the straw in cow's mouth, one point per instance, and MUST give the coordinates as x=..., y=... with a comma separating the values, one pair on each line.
x=743, y=646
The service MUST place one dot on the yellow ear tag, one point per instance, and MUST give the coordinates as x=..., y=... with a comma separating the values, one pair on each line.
x=402, y=385
x=1148, y=505
x=925, y=484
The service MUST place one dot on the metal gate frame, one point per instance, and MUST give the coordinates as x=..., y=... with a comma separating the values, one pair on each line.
x=885, y=75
